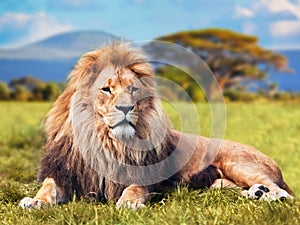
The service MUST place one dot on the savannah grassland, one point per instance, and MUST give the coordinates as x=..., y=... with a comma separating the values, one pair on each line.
x=273, y=128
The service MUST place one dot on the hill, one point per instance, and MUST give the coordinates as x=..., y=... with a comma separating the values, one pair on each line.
x=50, y=59
x=59, y=47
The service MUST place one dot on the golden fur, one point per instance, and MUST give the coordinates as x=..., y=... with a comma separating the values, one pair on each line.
x=106, y=136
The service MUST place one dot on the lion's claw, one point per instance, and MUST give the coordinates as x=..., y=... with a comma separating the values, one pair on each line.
x=131, y=204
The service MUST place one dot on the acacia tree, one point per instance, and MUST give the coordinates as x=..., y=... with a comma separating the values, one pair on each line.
x=232, y=57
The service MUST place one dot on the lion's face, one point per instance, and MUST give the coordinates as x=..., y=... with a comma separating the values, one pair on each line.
x=119, y=94
x=112, y=97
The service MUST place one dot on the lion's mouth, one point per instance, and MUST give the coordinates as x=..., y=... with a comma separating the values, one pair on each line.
x=123, y=123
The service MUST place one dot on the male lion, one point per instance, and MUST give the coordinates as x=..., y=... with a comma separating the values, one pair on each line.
x=107, y=137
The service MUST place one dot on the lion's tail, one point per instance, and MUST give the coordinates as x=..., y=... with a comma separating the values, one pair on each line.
x=286, y=187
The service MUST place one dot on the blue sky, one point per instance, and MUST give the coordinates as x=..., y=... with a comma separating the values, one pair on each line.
x=275, y=22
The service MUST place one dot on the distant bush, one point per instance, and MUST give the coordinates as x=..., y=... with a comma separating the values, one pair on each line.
x=283, y=96
x=21, y=93
x=243, y=96
x=233, y=95
x=30, y=89
x=4, y=91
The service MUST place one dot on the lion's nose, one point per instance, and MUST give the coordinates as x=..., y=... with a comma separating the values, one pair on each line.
x=125, y=109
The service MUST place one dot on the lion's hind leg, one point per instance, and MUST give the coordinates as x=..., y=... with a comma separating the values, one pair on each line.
x=267, y=192
x=225, y=183
x=47, y=195
x=256, y=191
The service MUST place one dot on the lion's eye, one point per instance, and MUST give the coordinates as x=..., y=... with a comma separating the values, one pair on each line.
x=106, y=90
x=133, y=89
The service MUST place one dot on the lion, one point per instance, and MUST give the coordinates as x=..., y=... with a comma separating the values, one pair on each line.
x=106, y=136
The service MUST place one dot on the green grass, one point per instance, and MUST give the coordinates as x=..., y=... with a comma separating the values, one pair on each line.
x=273, y=128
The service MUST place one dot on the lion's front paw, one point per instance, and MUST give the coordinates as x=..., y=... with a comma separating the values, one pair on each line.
x=133, y=197
x=124, y=202
x=29, y=203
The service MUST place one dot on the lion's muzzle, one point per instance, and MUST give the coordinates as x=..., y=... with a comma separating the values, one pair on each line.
x=122, y=122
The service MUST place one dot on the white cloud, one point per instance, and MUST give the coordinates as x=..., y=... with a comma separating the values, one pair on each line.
x=33, y=27
x=44, y=25
x=282, y=27
x=13, y=19
x=277, y=6
x=285, y=28
x=243, y=12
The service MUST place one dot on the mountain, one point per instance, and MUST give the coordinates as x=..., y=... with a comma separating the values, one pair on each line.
x=52, y=59
x=59, y=47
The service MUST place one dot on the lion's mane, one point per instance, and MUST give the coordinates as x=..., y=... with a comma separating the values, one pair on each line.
x=79, y=152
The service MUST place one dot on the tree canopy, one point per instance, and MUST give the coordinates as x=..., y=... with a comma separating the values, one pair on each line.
x=232, y=57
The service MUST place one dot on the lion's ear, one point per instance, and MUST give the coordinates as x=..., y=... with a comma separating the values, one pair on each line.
x=143, y=69
x=82, y=66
